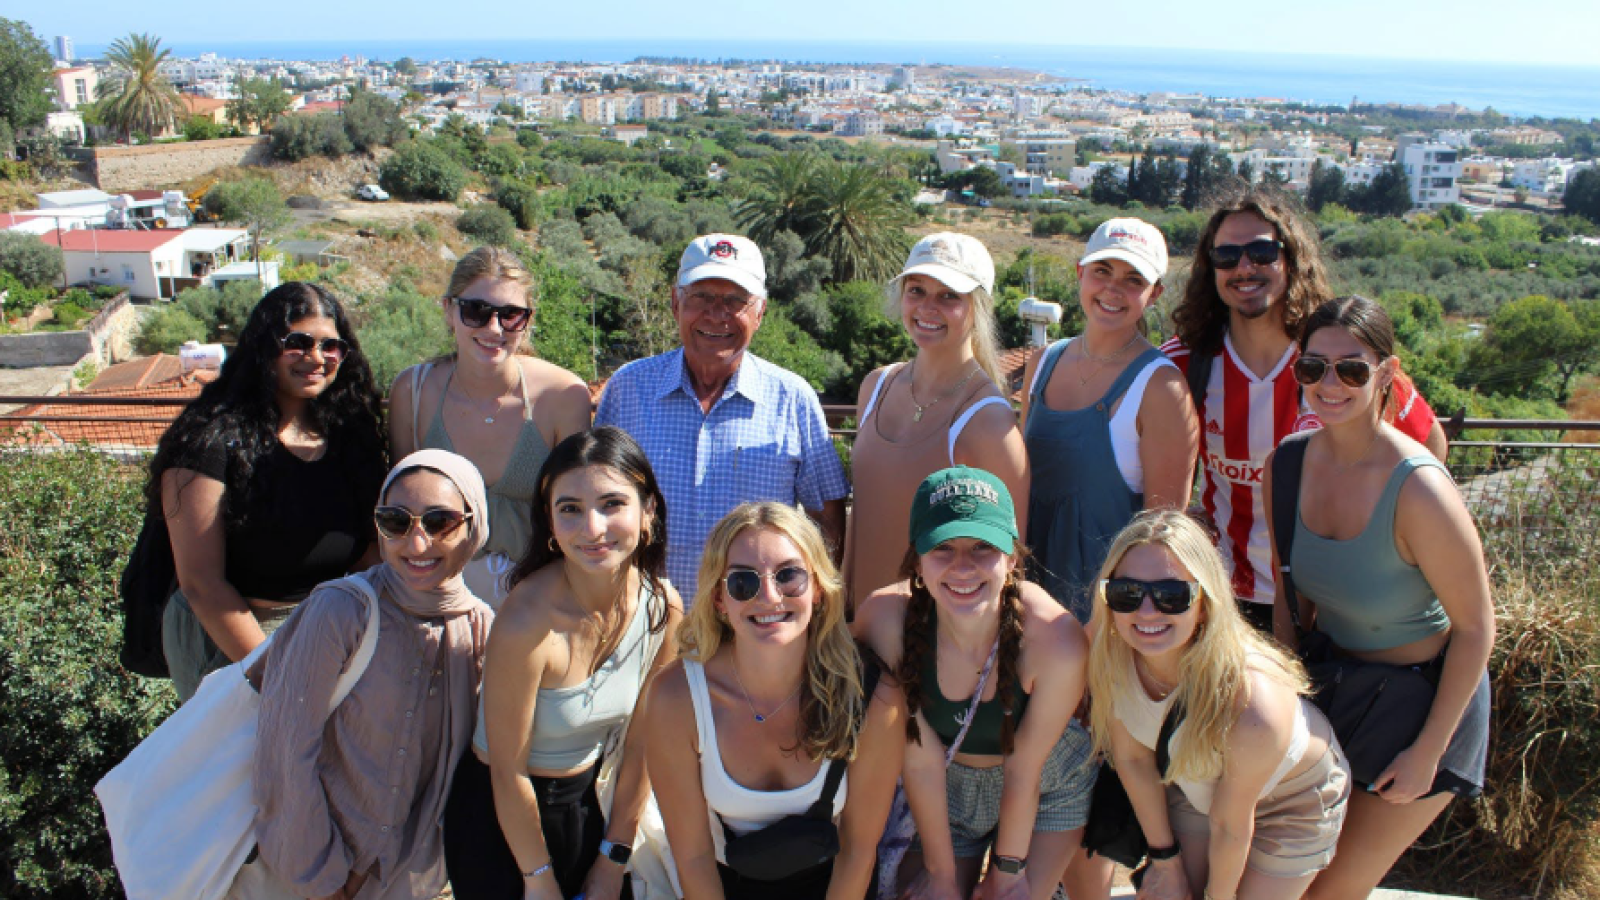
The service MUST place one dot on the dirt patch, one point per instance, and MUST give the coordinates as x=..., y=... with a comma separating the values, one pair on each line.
x=1005, y=234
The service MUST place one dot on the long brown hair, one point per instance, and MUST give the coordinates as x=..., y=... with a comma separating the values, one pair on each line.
x=917, y=642
x=1201, y=318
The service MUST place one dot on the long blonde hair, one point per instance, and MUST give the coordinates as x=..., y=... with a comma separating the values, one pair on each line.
x=985, y=329
x=831, y=701
x=1214, y=672
x=498, y=264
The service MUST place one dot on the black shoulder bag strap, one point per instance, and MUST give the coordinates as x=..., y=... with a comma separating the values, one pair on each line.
x=1287, y=463
x=823, y=808
x=1169, y=725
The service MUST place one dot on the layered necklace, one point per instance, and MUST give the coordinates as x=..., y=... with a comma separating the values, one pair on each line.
x=1101, y=361
x=911, y=388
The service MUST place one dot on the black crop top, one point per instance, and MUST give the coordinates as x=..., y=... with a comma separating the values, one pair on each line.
x=308, y=522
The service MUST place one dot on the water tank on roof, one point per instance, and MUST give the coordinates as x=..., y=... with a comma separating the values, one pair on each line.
x=194, y=355
x=1040, y=315
x=117, y=215
x=177, y=205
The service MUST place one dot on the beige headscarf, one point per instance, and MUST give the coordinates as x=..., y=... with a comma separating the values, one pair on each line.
x=451, y=598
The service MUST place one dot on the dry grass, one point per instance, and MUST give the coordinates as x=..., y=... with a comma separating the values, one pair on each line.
x=1536, y=830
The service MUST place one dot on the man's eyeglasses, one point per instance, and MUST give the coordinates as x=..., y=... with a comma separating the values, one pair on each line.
x=477, y=313
x=298, y=343
x=745, y=584
x=395, y=522
x=732, y=304
x=1308, y=370
x=1171, y=596
x=1262, y=252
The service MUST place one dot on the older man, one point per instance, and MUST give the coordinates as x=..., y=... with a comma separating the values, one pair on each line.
x=720, y=425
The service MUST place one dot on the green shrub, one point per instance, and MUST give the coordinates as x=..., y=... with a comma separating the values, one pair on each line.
x=71, y=711
x=489, y=224
x=70, y=315
x=421, y=171
x=201, y=128
x=32, y=261
x=371, y=120
x=300, y=137
x=521, y=199
x=399, y=329
x=426, y=231
x=166, y=329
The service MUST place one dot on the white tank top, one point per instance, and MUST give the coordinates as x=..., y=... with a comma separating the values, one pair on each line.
x=1125, y=424
x=1142, y=717
x=727, y=800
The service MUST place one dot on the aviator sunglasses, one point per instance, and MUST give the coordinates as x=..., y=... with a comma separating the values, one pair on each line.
x=299, y=343
x=1308, y=370
x=1171, y=596
x=477, y=313
x=745, y=584
x=1261, y=252
x=395, y=522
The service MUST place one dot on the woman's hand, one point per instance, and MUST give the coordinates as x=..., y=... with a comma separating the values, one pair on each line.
x=604, y=881
x=927, y=887
x=352, y=886
x=1165, y=880
x=998, y=885
x=1408, y=777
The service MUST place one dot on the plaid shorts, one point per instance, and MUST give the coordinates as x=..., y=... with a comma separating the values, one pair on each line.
x=972, y=796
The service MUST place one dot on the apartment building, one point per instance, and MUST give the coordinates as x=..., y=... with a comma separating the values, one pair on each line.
x=1434, y=171
x=862, y=123
x=1549, y=175
x=75, y=87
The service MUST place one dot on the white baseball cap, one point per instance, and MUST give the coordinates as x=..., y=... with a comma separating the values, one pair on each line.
x=957, y=261
x=1134, y=241
x=727, y=256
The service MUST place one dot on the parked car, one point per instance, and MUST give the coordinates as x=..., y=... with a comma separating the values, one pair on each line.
x=372, y=192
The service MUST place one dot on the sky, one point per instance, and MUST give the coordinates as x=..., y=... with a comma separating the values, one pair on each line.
x=1559, y=32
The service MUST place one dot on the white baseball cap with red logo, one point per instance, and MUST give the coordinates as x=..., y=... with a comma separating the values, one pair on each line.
x=728, y=256
x=1134, y=241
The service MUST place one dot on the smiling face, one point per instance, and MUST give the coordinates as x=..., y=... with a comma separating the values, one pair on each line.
x=932, y=313
x=1249, y=290
x=1331, y=399
x=303, y=376
x=490, y=344
x=965, y=575
x=1113, y=294
x=716, y=320
x=769, y=617
x=597, y=517
x=1149, y=632
x=425, y=562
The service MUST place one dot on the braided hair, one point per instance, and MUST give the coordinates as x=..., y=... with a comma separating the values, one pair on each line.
x=918, y=641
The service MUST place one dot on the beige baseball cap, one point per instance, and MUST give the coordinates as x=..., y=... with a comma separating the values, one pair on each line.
x=957, y=261
x=1134, y=241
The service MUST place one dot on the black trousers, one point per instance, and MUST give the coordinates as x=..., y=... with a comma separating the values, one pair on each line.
x=476, y=855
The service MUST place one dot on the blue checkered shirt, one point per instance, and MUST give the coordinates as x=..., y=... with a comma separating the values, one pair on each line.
x=764, y=439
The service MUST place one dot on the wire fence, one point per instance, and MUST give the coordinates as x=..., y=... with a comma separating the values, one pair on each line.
x=1533, y=485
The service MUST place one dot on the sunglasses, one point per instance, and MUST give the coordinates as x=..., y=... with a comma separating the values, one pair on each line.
x=1171, y=596
x=395, y=522
x=1262, y=252
x=477, y=313
x=1308, y=370
x=745, y=584
x=299, y=343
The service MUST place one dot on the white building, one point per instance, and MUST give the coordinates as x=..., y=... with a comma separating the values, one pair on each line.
x=1082, y=176
x=1549, y=175
x=64, y=50
x=862, y=123
x=945, y=126
x=1434, y=171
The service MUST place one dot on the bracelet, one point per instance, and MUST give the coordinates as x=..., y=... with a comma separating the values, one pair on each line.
x=1161, y=854
x=526, y=876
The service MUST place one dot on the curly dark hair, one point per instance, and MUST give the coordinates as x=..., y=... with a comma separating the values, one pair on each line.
x=240, y=411
x=917, y=642
x=1201, y=318
x=614, y=449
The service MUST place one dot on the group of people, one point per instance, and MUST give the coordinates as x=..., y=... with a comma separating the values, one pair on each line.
x=667, y=615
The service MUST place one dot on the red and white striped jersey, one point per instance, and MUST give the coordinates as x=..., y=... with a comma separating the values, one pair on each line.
x=1245, y=418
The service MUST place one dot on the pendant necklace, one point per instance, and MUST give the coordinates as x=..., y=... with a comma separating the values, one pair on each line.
x=488, y=418
x=1101, y=361
x=911, y=388
x=759, y=717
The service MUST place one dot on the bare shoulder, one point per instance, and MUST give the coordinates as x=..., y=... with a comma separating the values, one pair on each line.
x=528, y=610
x=547, y=374
x=868, y=385
x=1047, y=626
x=1268, y=707
x=669, y=693
x=880, y=621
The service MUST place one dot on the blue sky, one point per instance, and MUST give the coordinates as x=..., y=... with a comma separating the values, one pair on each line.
x=1559, y=32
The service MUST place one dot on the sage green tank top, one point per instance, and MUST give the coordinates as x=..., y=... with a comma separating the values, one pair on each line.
x=946, y=716
x=1367, y=597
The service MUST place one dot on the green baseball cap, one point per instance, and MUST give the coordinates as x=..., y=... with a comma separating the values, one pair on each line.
x=962, y=502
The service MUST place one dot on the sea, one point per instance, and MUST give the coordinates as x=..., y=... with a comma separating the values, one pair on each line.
x=1516, y=89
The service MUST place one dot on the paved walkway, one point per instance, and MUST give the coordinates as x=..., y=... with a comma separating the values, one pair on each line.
x=43, y=381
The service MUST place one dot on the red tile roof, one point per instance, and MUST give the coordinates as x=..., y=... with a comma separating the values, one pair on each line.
x=108, y=426
x=113, y=240
x=1013, y=363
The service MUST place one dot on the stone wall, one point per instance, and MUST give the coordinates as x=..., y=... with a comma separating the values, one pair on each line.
x=166, y=165
x=108, y=338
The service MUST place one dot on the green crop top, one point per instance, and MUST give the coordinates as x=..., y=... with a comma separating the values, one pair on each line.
x=1367, y=597
x=945, y=716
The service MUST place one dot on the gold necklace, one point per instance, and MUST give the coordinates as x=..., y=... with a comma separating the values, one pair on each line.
x=488, y=418
x=1341, y=468
x=1101, y=362
x=911, y=388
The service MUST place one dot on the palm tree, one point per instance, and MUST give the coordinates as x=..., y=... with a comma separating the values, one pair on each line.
x=138, y=97
x=783, y=197
x=857, y=222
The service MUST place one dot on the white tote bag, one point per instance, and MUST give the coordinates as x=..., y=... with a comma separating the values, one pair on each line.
x=179, y=808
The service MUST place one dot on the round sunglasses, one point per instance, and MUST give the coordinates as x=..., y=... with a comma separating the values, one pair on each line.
x=1261, y=252
x=298, y=343
x=1308, y=370
x=395, y=522
x=1171, y=596
x=477, y=313
x=745, y=584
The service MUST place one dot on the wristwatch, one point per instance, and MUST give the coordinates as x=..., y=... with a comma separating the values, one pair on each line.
x=1010, y=865
x=1161, y=854
x=617, y=853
